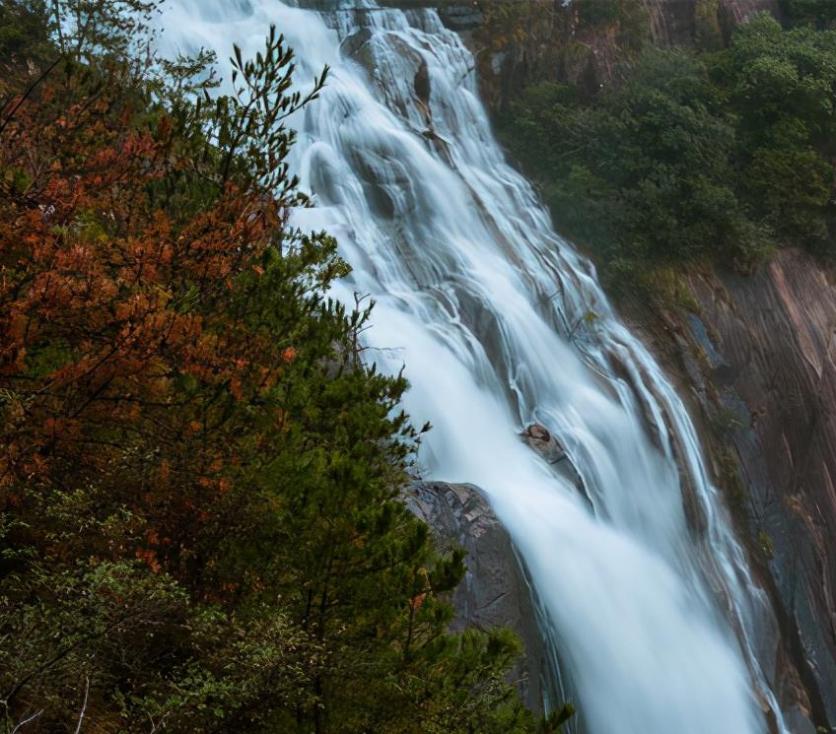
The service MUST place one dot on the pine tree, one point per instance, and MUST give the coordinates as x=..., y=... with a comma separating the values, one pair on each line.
x=199, y=524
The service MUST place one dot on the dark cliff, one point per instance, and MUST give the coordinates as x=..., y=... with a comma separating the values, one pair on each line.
x=517, y=43
x=757, y=354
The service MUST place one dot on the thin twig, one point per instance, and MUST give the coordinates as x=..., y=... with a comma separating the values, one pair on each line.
x=27, y=721
x=84, y=705
x=28, y=92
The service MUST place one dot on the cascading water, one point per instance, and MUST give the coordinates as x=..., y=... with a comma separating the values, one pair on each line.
x=500, y=323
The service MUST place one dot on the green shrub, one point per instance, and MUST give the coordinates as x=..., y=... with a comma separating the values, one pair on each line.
x=724, y=155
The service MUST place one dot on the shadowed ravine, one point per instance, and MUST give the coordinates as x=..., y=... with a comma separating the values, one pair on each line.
x=657, y=622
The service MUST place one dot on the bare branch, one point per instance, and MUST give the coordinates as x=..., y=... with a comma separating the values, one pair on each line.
x=27, y=721
x=83, y=705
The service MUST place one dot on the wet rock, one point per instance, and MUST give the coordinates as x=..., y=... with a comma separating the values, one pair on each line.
x=739, y=11
x=465, y=17
x=765, y=349
x=494, y=591
x=679, y=23
x=775, y=331
x=351, y=45
x=541, y=440
x=798, y=721
x=422, y=83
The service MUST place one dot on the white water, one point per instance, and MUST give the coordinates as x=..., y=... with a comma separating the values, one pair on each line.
x=658, y=627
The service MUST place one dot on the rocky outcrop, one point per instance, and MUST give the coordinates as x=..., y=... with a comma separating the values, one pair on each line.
x=759, y=356
x=462, y=17
x=521, y=43
x=538, y=438
x=682, y=22
x=494, y=592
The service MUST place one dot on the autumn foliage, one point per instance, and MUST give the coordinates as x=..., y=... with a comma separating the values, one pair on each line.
x=131, y=333
x=199, y=528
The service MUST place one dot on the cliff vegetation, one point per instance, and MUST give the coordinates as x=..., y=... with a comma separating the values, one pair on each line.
x=680, y=154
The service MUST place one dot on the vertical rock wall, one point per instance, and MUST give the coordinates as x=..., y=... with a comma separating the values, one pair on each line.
x=758, y=357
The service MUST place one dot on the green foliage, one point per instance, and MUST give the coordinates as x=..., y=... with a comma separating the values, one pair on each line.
x=708, y=34
x=821, y=13
x=718, y=156
x=598, y=12
x=643, y=173
x=207, y=536
x=23, y=33
x=782, y=87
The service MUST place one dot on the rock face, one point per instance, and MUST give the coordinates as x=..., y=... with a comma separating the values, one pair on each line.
x=760, y=358
x=739, y=11
x=544, y=40
x=680, y=22
x=494, y=592
x=461, y=17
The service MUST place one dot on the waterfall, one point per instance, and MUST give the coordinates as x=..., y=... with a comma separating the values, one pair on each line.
x=500, y=323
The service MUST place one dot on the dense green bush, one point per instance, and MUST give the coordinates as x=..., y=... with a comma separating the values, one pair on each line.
x=597, y=12
x=723, y=155
x=821, y=13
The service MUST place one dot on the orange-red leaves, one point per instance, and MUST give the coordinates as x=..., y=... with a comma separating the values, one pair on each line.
x=288, y=354
x=125, y=352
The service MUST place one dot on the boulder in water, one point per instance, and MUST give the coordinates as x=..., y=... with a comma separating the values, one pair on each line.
x=421, y=83
x=539, y=438
x=353, y=43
